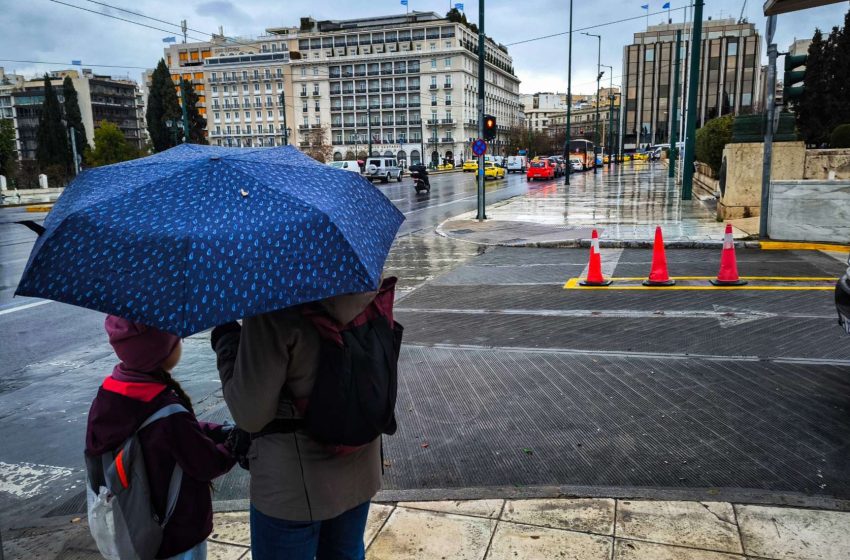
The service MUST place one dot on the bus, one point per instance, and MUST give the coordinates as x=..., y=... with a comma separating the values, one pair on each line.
x=582, y=150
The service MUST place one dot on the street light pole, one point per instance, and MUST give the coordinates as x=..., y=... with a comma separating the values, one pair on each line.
x=569, y=98
x=369, y=129
x=674, y=126
x=481, y=38
x=598, y=77
x=185, y=111
x=693, y=87
x=283, y=108
x=609, y=145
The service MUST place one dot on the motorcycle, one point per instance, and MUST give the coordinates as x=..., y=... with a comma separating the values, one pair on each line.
x=419, y=182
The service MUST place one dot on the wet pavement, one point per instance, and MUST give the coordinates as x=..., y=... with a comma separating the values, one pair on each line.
x=626, y=202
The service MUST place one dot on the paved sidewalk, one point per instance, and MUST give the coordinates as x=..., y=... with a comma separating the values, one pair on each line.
x=495, y=529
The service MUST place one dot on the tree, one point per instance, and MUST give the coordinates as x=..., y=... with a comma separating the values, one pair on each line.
x=711, y=139
x=52, y=152
x=73, y=118
x=162, y=107
x=812, y=109
x=197, y=123
x=840, y=137
x=8, y=154
x=840, y=65
x=314, y=143
x=110, y=146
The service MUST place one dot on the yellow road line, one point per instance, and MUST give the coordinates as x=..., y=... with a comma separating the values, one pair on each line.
x=767, y=278
x=573, y=284
x=798, y=246
x=39, y=208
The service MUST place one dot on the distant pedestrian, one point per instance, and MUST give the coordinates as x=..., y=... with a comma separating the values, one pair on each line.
x=314, y=450
x=140, y=385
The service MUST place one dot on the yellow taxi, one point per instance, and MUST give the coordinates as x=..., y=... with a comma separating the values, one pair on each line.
x=606, y=159
x=493, y=171
x=470, y=165
x=445, y=167
x=640, y=156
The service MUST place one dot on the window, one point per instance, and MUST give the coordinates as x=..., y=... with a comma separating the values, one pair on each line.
x=419, y=46
x=317, y=106
x=280, y=86
x=244, y=88
x=315, y=70
x=304, y=107
x=256, y=74
x=448, y=44
x=649, y=55
x=448, y=62
x=268, y=74
x=432, y=46
x=434, y=81
x=256, y=87
x=215, y=89
x=278, y=72
x=217, y=116
x=303, y=90
x=433, y=63
x=268, y=87
x=448, y=79
x=270, y=115
x=732, y=49
x=247, y=115
x=303, y=71
x=259, y=115
x=268, y=101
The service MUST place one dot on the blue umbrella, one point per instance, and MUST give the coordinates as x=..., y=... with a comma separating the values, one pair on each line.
x=197, y=236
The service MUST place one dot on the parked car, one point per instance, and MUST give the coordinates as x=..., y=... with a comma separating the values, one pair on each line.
x=470, y=165
x=493, y=171
x=499, y=160
x=445, y=167
x=842, y=299
x=540, y=169
x=640, y=156
x=576, y=165
x=517, y=164
x=383, y=168
x=346, y=165
x=560, y=168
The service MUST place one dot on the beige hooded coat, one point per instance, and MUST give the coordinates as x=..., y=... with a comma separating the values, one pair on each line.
x=293, y=477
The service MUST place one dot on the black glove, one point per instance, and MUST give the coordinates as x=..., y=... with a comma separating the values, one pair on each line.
x=222, y=330
x=239, y=442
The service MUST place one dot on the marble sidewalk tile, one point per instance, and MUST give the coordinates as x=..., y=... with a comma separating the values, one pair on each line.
x=590, y=515
x=219, y=551
x=798, y=534
x=411, y=534
x=477, y=508
x=232, y=528
x=704, y=525
x=378, y=514
x=625, y=549
x=521, y=542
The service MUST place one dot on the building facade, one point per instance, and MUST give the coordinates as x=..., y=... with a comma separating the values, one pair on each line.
x=730, y=77
x=540, y=108
x=101, y=98
x=407, y=84
x=8, y=84
x=583, y=120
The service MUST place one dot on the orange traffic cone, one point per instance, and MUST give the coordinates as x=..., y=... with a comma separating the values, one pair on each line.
x=659, y=276
x=594, y=269
x=728, y=275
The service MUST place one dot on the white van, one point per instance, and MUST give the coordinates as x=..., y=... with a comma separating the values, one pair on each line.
x=346, y=165
x=383, y=168
x=517, y=164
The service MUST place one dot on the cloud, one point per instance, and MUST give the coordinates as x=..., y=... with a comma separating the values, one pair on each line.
x=224, y=11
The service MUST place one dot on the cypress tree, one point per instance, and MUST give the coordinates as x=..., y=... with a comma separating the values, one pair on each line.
x=162, y=107
x=52, y=137
x=197, y=123
x=812, y=109
x=73, y=118
x=840, y=87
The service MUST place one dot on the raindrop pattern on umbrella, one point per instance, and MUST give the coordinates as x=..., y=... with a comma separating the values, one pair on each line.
x=197, y=236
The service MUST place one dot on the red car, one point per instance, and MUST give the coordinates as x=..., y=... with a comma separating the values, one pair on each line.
x=543, y=169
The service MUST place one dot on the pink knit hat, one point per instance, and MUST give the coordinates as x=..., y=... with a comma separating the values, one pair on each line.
x=139, y=347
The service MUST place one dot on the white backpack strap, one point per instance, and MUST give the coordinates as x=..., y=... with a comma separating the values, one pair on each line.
x=163, y=412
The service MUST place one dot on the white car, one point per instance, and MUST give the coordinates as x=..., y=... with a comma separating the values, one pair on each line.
x=346, y=165
x=517, y=164
x=383, y=168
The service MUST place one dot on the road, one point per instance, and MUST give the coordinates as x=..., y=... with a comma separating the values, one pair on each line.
x=54, y=355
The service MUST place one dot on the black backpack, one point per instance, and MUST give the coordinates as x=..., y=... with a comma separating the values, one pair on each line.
x=353, y=398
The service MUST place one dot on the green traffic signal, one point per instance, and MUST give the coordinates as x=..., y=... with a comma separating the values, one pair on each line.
x=795, y=73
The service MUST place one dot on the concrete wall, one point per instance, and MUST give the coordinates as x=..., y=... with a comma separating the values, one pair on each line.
x=820, y=162
x=741, y=197
x=810, y=211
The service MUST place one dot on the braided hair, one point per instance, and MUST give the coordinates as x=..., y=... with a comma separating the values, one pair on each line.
x=166, y=378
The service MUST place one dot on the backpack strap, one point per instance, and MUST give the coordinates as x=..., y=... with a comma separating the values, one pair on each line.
x=177, y=473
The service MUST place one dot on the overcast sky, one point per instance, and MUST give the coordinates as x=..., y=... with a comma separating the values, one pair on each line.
x=46, y=31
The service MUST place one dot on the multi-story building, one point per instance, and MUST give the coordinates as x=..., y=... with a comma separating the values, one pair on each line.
x=729, y=77
x=407, y=83
x=540, y=108
x=8, y=84
x=583, y=119
x=101, y=98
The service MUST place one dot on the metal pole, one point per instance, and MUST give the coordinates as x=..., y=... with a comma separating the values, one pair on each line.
x=283, y=107
x=421, y=140
x=481, y=202
x=185, y=111
x=674, y=126
x=569, y=98
x=74, y=149
x=598, y=77
x=609, y=144
x=769, y=127
x=693, y=87
x=369, y=129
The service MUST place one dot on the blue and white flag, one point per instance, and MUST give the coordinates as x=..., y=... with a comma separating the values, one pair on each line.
x=645, y=6
x=169, y=39
x=666, y=6
x=77, y=62
x=404, y=2
x=459, y=7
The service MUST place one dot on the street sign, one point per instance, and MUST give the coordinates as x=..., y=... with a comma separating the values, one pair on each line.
x=479, y=147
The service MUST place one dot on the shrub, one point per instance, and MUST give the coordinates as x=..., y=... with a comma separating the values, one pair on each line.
x=711, y=139
x=840, y=137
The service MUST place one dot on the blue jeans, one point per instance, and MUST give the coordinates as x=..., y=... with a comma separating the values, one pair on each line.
x=197, y=552
x=340, y=538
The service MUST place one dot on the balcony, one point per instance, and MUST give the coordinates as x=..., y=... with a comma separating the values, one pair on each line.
x=348, y=92
x=315, y=126
x=433, y=103
x=448, y=121
x=401, y=122
x=363, y=90
x=349, y=125
x=433, y=121
x=347, y=74
x=447, y=85
x=387, y=106
x=375, y=90
x=386, y=72
x=304, y=93
x=432, y=86
x=448, y=140
x=336, y=92
x=316, y=93
x=303, y=126
x=336, y=109
x=413, y=104
x=334, y=75
x=415, y=122
x=359, y=74
x=387, y=123
x=432, y=140
x=401, y=104
x=374, y=107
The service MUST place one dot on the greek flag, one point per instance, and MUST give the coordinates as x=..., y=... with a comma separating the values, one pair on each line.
x=77, y=62
x=645, y=6
x=404, y=2
x=666, y=6
x=459, y=7
x=169, y=39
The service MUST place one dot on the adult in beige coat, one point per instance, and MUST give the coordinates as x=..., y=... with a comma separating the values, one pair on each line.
x=307, y=499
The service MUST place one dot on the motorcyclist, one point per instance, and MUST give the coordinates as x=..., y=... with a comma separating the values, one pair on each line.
x=422, y=172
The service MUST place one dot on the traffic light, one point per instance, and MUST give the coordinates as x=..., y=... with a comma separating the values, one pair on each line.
x=489, y=127
x=795, y=73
